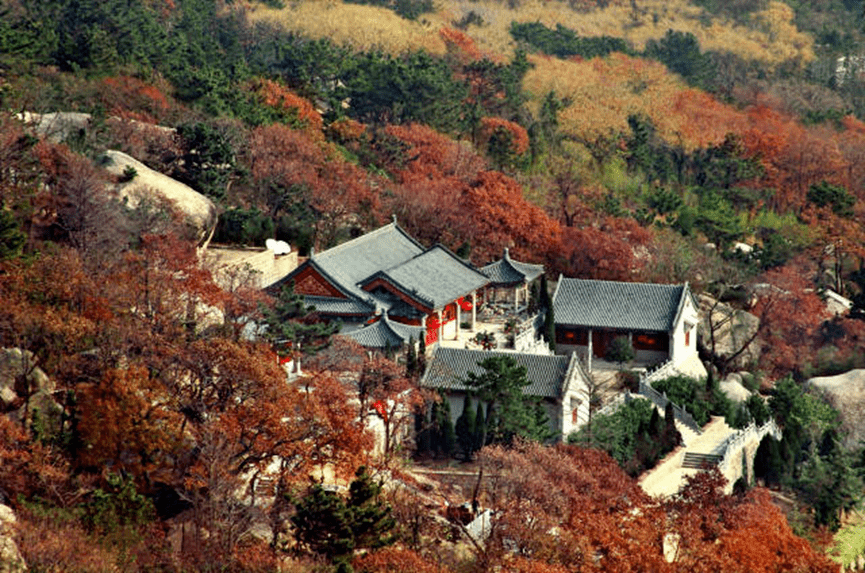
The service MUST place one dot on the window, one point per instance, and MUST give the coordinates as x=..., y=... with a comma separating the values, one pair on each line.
x=688, y=337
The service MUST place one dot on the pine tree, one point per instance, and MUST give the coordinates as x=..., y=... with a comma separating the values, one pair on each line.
x=510, y=413
x=323, y=524
x=327, y=524
x=371, y=519
x=11, y=238
x=466, y=429
x=290, y=320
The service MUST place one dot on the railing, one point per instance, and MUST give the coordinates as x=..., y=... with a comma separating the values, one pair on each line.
x=616, y=403
x=661, y=401
x=526, y=332
x=658, y=399
x=734, y=443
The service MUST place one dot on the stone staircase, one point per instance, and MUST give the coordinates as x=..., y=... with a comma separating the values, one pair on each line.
x=668, y=477
x=696, y=460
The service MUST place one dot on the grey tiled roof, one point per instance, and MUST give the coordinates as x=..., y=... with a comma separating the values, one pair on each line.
x=507, y=271
x=435, y=277
x=608, y=304
x=448, y=367
x=353, y=261
x=384, y=332
x=327, y=305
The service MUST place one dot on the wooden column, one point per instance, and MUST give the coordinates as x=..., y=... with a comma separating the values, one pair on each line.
x=474, y=308
x=589, y=359
x=457, y=329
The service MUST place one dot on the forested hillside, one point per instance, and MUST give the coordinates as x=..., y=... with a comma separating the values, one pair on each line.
x=719, y=143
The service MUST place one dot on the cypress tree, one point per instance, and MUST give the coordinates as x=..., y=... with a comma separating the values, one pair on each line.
x=550, y=328
x=410, y=359
x=672, y=437
x=465, y=429
x=421, y=355
x=449, y=436
x=544, y=295
x=480, y=428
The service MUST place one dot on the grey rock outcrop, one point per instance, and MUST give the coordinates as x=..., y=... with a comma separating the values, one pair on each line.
x=732, y=387
x=17, y=367
x=25, y=390
x=198, y=211
x=733, y=328
x=11, y=560
x=57, y=126
x=846, y=393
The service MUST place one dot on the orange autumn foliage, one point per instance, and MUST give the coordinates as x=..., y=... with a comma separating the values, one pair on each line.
x=519, y=138
x=791, y=313
x=460, y=45
x=338, y=191
x=282, y=98
x=130, y=98
x=395, y=560
x=794, y=157
x=446, y=194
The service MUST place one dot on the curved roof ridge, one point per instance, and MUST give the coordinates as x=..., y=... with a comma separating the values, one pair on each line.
x=369, y=236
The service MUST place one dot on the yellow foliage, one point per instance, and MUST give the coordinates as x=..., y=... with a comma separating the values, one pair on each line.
x=774, y=41
x=357, y=26
x=605, y=91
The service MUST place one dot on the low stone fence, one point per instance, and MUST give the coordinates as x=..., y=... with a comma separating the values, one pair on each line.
x=748, y=437
x=660, y=400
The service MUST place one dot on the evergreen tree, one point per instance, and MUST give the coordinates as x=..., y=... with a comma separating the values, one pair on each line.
x=446, y=426
x=327, y=524
x=620, y=351
x=371, y=519
x=11, y=238
x=443, y=433
x=510, y=413
x=322, y=524
x=421, y=355
x=411, y=359
x=290, y=321
x=671, y=437
x=550, y=327
x=480, y=427
x=466, y=429
x=423, y=432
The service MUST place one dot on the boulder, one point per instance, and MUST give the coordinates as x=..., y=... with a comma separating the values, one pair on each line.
x=733, y=328
x=198, y=211
x=846, y=393
x=11, y=560
x=732, y=387
x=15, y=364
x=57, y=126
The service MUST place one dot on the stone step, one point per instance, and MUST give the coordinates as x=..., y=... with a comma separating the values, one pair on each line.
x=696, y=460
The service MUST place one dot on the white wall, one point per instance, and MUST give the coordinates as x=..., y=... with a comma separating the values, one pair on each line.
x=678, y=351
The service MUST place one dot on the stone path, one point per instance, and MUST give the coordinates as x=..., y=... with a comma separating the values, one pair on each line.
x=668, y=477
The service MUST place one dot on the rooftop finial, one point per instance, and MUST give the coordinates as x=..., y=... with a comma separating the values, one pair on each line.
x=507, y=253
x=312, y=252
x=393, y=216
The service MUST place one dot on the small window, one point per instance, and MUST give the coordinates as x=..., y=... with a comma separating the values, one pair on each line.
x=688, y=337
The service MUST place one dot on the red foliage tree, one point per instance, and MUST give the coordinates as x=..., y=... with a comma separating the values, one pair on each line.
x=791, y=313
